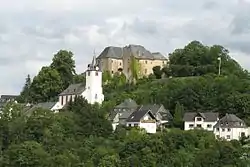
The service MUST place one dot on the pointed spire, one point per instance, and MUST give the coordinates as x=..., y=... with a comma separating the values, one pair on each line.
x=94, y=61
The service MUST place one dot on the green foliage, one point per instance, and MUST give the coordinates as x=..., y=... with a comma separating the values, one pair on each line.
x=64, y=64
x=25, y=93
x=196, y=59
x=135, y=69
x=46, y=85
x=157, y=72
x=178, y=115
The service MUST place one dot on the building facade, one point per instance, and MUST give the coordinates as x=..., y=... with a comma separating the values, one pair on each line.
x=198, y=120
x=230, y=127
x=120, y=59
x=91, y=90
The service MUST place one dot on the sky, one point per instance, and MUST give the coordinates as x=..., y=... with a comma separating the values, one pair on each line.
x=32, y=31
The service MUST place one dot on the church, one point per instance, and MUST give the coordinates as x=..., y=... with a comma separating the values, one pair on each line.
x=91, y=90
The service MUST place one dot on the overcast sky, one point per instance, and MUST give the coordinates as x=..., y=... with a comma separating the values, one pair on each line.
x=31, y=31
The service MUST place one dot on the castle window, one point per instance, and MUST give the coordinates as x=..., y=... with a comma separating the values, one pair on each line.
x=96, y=73
x=120, y=64
x=88, y=73
x=112, y=72
x=146, y=62
x=146, y=71
x=111, y=61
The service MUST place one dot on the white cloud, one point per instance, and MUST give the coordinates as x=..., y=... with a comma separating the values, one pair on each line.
x=31, y=32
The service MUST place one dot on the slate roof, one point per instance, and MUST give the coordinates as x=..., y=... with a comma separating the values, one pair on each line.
x=208, y=116
x=136, y=50
x=74, y=89
x=45, y=105
x=138, y=115
x=127, y=103
x=230, y=121
x=8, y=96
x=155, y=108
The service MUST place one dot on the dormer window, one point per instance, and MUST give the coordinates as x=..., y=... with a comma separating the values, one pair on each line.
x=198, y=119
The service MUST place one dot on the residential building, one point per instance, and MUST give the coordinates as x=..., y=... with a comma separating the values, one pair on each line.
x=53, y=106
x=230, y=127
x=144, y=119
x=120, y=114
x=196, y=120
x=7, y=98
x=119, y=59
x=92, y=89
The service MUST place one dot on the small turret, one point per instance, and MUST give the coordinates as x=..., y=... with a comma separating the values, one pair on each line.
x=93, y=66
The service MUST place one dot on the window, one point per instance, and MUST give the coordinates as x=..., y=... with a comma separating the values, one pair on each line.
x=242, y=134
x=198, y=119
x=228, y=136
x=146, y=71
x=191, y=125
x=135, y=125
x=66, y=98
x=96, y=73
x=88, y=73
x=111, y=61
x=146, y=62
x=95, y=96
x=62, y=100
x=129, y=125
x=120, y=64
x=218, y=129
x=88, y=87
x=112, y=72
x=228, y=129
x=163, y=62
x=223, y=130
x=128, y=69
x=198, y=125
x=209, y=126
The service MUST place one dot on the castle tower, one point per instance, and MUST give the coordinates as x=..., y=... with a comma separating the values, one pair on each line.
x=93, y=93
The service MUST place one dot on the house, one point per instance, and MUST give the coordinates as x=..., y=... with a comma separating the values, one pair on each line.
x=121, y=112
x=92, y=89
x=162, y=115
x=144, y=119
x=119, y=59
x=206, y=120
x=7, y=98
x=53, y=106
x=230, y=127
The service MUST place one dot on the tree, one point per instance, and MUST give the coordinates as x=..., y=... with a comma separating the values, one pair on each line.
x=25, y=93
x=157, y=72
x=27, y=154
x=64, y=64
x=106, y=76
x=46, y=85
x=178, y=115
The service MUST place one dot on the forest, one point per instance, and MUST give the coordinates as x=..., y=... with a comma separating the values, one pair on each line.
x=82, y=136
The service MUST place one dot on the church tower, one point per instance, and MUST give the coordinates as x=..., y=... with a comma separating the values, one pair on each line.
x=93, y=92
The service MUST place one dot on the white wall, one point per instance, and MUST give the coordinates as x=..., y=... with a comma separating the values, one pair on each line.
x=93, y=92
x=57, y=107
x=204, y=125
x=230, y=133
x=149, y=127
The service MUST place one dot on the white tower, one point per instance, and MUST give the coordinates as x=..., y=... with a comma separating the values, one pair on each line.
x=93, y=93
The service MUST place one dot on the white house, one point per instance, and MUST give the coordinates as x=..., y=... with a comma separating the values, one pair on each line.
x=196, y=120
x=230, y=127
x=143, y=119
x=91, y=90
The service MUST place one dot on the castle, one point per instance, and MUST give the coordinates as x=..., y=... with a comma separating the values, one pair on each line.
x=119, y=59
